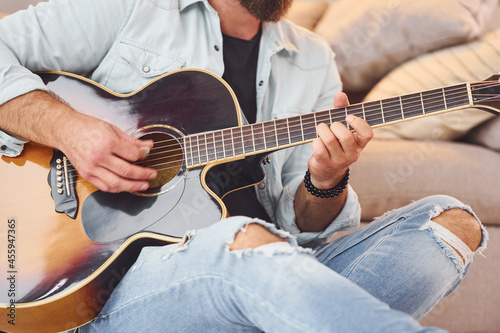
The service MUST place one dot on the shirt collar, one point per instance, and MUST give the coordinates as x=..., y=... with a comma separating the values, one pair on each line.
x=273, y=32
x=183, y=4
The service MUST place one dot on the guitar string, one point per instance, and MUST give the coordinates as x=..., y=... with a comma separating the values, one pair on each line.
x=307, y=123
x=388, y=113
x=411, y=98
x=304, y=125
x=394, y=100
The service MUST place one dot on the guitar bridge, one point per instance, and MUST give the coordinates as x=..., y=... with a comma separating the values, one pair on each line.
x=61, y=180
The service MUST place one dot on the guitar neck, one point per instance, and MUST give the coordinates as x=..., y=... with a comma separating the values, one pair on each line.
x=236, y=142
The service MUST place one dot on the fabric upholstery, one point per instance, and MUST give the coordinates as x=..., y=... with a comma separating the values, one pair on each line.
x=470, y=62
x=380, y=34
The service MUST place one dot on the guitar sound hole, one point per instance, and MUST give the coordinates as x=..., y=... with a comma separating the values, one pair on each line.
x=166, y=157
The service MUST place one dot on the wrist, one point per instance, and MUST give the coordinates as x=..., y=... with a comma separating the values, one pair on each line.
x=329, y=192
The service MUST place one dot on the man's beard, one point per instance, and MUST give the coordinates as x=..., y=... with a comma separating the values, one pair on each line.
x=267, y=10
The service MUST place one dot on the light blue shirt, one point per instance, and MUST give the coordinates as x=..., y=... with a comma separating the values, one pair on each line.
x=124, y=44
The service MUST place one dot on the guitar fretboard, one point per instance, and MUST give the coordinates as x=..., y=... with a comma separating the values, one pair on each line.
x=225, y=144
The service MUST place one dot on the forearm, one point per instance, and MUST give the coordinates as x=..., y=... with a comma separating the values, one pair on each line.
x=99, y=151
x=38, y=116
x=314, y=214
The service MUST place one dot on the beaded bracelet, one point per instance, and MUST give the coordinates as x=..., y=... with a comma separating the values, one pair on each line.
x=330, y=193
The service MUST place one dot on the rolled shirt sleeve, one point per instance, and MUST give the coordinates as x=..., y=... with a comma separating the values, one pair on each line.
x=59, y=35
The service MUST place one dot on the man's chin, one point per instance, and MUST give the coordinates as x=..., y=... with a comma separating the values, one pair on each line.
x=267, y=10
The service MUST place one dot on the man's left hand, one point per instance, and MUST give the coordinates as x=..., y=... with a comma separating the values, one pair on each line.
x=337, y=147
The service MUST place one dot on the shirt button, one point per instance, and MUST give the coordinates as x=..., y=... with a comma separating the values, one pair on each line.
x=261, y=83
x=146, y=69
x=216, y=47
x=4, y=147
x=262, y=185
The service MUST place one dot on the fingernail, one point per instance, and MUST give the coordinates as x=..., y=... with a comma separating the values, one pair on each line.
x=146, y=151
x=349, y=118
x=144, y=187
x=153, y=176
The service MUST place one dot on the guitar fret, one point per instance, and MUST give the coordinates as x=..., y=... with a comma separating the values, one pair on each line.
x=212, y=156
x=253, y=139
x=270, y=134
x=433, y=101
x=422, y=101
x=276, y=133
x=444, y=99
x=382, y=112
x=288, y=129
x=238, y=142
x=227, y=141
x=301, y=128
x=282, y=132
x=373, y=116
x=412, y=106
x=391, y=110
x=356, y=111
x=259, y=141
x=401, y=106
x=219, y=145
x=348, y=126
x=247, y=134
x=308, y=122
x=264, y=136
x=182, y=142
x=232, y=142
x=191, y=161
x=458, y=96
x=196, y=153
x=295, y=129
x=323, y=117
x=202, y=148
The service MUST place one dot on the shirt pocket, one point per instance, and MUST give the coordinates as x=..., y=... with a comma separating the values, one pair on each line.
x=138, y=65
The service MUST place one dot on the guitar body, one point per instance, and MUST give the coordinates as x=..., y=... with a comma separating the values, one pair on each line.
x=62, y=269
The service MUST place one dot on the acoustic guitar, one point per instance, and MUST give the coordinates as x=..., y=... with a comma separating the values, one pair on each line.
x=69, y=244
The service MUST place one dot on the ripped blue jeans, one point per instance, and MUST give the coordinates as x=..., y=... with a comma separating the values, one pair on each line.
x=377, y=279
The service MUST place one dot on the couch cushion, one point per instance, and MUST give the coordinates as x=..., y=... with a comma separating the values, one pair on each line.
x=380, y=34
x=486, y=134
x=467, y=62
x=307, y=13
x=393, y=173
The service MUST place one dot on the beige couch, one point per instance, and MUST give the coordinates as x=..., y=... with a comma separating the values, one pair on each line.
x=387, y=48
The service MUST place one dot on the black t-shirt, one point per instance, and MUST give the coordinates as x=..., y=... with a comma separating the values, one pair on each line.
x=240, y=62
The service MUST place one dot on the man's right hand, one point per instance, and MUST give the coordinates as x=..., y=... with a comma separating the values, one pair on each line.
x=99, y=151
x=104, y=156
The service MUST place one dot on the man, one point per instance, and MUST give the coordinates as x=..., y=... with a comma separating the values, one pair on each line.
x=240, y=274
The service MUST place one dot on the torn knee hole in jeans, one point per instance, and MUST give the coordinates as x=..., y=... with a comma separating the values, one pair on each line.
x=455, y=243
x=268, y=243
x=452, y=241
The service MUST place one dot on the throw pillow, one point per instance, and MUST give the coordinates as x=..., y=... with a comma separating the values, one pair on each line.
x=371, y=37
x=307, y=13
x=473, y=61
